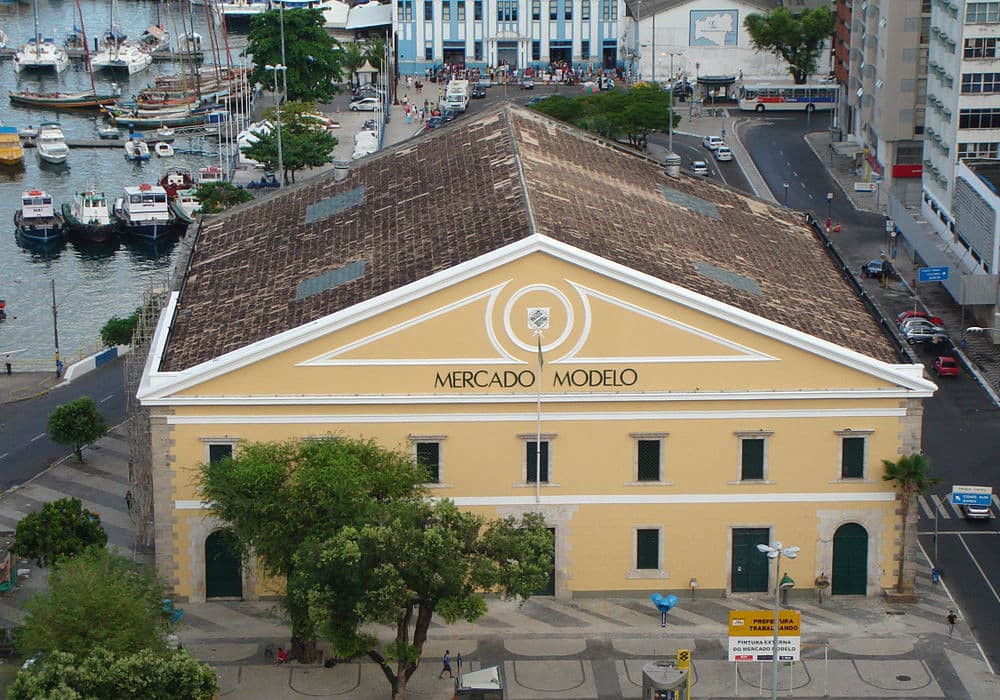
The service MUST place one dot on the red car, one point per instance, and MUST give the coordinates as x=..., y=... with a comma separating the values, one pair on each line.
x=918, y=314
x=945, y=366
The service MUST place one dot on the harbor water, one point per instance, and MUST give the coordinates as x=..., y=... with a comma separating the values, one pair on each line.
x=92, y=284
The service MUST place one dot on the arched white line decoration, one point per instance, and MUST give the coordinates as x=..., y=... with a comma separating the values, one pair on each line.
x=587, y=320
x=538, y=288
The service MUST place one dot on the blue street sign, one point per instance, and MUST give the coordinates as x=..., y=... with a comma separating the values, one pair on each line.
x=932, y=274
x=971, y=499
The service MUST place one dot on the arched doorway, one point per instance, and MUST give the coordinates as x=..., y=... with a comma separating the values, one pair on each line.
x=223, y=566
x=850, y=560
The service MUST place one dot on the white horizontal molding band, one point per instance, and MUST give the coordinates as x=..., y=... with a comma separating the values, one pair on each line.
x=547, y=398
x=648, y=499
x=532, y=416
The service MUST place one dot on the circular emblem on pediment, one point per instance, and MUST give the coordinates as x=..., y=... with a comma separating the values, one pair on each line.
x=538, y=309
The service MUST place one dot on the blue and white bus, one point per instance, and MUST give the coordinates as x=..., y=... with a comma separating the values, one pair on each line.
x=773, y=96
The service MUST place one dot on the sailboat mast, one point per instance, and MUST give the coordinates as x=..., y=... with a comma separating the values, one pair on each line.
x=38, y=38
x=86, y=48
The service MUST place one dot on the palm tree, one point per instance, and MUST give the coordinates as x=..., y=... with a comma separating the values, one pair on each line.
x=375, y=53
x=910, y=476
x=352, y=57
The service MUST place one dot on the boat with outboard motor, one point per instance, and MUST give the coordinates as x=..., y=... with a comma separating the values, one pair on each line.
x=51, y=143
x=88, y=218
x=144, y=212
x=37, y=221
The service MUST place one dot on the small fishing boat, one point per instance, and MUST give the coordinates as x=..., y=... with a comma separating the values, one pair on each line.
x=163, y=149
x=37, y=221
x=3, y=39
x=86, y=99
x=175, y=181
x=186, y=206
x=136, y=148
x=11, y=150
x=155, y=38
x=165, y=134
x=144, y=212
x=189, y=42
x=209, y=175
x=51, y=143
x=88, y=219
x=105, y=130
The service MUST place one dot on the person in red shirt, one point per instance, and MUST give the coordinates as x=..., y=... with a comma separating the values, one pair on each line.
x=281, y=657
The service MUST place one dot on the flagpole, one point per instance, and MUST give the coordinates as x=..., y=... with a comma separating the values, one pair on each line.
x=538, y=424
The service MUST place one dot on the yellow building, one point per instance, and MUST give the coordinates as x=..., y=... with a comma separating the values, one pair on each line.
x=708, y=379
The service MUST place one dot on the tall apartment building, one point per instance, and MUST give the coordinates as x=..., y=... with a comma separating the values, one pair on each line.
x=519, y=33
x=886, y=89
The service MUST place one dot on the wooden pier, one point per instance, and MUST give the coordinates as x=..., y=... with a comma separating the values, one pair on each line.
x=168, y=56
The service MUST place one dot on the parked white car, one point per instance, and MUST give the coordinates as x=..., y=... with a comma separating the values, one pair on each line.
x=712, y=142
x=723, y=153
x=699, y=167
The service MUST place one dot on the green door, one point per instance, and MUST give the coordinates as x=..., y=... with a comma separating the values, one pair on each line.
x=750, y=566
x=550, y=585
x=223, y=566
x=850, y=560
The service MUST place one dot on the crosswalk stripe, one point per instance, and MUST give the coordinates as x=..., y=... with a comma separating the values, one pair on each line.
x=939, y=505
x=928, y=513
x=996, y=501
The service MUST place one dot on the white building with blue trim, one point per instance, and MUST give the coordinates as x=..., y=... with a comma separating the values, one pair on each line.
x=518, y=33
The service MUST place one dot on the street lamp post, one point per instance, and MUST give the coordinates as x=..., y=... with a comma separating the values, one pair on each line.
x=786, y=194
x=980, y=329
x=277, y=104
x=776, y=551
x=670, y=123
x=829, y=205
x=284, y=77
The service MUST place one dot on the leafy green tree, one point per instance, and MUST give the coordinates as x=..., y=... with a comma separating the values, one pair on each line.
x=352, y=57
x=61, y=529
x=312, y=61
x=96, y=599
x=404, y=561
x=909, y=475
x=797, y=37
x=219, y=196
x=562, y=107
x=118, y=331
x=305, y=143
x=77, y=423
x=101, y=674
x=375, y=53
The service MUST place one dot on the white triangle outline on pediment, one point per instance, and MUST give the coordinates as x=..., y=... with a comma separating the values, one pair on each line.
x=333, y=357
x=746, y=354
x=502, y=358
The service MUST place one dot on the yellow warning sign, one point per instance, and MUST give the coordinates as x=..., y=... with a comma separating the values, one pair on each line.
x=683, y=658
x=760, y=623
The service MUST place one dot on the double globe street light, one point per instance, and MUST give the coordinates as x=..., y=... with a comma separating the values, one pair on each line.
x=782, y=583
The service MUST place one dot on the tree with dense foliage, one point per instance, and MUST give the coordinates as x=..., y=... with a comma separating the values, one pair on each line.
x=630, y=114
x=305, y=141
x=909, y=475
x=385, y=552
x=95, y=599
x=77, y=423
x=61, y=529
x=797, y=37
x=219, y=196
x=102, y=675
x=311, y=57
x=118, y=331
x=375, y=53
x=352, y=57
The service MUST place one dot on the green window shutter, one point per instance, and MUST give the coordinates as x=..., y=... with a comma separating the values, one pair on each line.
x=753, y=458
x=532, y=460
x=429, y=457
x=649, y=460
x=647, y=549
x=852, y=458
x=219, y=452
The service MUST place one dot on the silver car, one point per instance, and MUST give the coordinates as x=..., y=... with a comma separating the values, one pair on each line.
x=920, y=323
x=365, y=104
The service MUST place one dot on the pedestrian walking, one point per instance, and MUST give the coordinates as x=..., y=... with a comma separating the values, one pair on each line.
x=952, y=619
x=129, y=501
x=446, y=665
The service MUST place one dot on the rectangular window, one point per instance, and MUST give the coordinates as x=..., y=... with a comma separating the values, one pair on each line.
x=568, y=9
x=985, y=118
x=429, y=457
x=536, y=10
x=446, y=11
x=984, y=47
x=752, y=458
x=584, y=49
x=428, y=53
x=477, y=51
x=648, y=460
x=532, y=462
x=982, y=12
x=585, y=9
x=647, y=549
x=461, y=10
x=428, y=9
x=985, y=83
x=219, y=451
x=553, y=9
x=979, y=150
x=536, y=51
x=614, y=9
x=605, y=10
x=852, y=458
x=477, y=10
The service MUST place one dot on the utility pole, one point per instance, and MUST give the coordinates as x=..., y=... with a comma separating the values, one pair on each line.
x=55, y=328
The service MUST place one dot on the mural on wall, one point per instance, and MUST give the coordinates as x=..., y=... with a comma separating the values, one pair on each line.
x=714, y=27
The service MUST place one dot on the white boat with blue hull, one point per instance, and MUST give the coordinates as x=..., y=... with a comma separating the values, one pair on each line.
x=143, y=212
x=37, y=221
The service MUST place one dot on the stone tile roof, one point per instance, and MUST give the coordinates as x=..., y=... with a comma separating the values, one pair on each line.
x=482, y=183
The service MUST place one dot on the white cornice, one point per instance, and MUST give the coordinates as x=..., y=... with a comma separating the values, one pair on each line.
x=160, y=385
